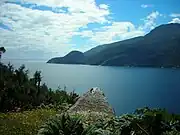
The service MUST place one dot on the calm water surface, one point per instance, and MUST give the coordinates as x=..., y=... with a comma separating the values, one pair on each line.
x=125, y=88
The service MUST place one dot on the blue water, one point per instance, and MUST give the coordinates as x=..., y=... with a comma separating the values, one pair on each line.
x=125, y=88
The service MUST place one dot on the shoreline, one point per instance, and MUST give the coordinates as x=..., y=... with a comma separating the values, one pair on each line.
x=156, y=67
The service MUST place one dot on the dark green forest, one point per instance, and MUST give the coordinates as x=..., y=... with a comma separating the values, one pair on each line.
x=20, y=92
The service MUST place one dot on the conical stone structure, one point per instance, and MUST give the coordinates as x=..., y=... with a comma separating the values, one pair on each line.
x=94, y=101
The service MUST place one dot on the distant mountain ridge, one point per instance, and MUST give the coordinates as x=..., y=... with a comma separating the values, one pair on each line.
x=74, y=57
x=159, y=48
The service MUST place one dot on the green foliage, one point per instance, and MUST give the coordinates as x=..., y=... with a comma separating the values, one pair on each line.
x=19, y=92
x=64, y=124
x=2, y=49
x=24, y=123
x=144, y=121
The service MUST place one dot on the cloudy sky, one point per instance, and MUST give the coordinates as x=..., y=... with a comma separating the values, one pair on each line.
x=41, y=29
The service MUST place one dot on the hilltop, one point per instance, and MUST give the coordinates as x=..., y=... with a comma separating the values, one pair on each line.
x=159, y=48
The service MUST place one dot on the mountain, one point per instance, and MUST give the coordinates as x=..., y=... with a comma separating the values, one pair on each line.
x=159, y=48
x=74, y=57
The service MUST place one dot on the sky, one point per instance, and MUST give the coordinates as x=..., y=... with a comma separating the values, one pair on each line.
x=42, y=29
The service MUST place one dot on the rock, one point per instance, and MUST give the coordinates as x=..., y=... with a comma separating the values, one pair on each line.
x=92, y=101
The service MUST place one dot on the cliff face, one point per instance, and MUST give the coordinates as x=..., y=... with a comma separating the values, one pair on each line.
x=92, y=101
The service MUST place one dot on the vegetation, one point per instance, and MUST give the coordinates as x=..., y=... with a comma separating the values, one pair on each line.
x=24, y=123
x=18, y=92
x=2, y=50
x=28, y=107
x=143, y=122
x=25, y=103
x=64, y=125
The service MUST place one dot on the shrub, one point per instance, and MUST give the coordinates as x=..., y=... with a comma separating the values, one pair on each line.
x=18, y=92
x=64, y=124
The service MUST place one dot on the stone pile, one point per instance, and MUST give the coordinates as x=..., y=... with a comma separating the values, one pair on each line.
x=94, y=101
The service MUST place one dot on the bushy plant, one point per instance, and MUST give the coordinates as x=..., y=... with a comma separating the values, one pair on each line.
x=18, y=92
x=145, y=122
x=64, y=124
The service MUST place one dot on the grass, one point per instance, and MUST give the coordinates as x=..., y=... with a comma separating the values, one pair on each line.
x=24, y=123
x=29, y=122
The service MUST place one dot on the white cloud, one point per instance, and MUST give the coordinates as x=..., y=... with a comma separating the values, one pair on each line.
x=86, y=6
x=174, y=15
x=103, y=6
x=114, y=32
x=51, y=33
x=150, y=21
x=147, y=5
x=175, y=20
x=45, y=30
